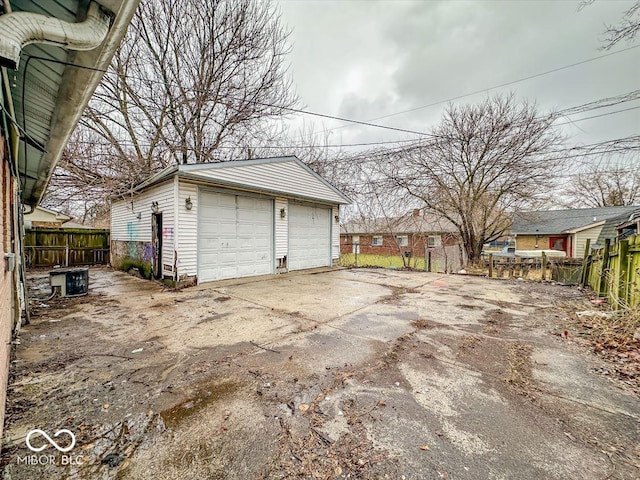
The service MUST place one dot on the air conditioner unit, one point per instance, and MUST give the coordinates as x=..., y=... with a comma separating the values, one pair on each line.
x=71, y=282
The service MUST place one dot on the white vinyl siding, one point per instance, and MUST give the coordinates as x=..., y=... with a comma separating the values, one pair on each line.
x=282, y=228
x=127, y=227
x=188, y=235
x=335, y=233
x=309, y=236
x=235, y=236
x=286, y=177
x=580, y=239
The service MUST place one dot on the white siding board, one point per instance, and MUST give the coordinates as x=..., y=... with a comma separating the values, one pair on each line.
x=335, y=233
x=188, y=238
x=284, y=177
x=282, y=228
x=126, y=227
x=581, y=239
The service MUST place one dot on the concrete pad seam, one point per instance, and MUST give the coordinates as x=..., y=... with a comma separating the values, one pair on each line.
x=551, y=394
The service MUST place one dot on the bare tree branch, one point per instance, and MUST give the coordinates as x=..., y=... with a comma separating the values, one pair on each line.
x=484, y=162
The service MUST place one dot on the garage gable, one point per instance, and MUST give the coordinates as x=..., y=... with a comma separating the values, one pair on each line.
x=281, y=175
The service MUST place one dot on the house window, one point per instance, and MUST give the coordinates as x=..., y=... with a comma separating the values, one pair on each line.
x=434, y=241
x=376, y=241
x=403, y=240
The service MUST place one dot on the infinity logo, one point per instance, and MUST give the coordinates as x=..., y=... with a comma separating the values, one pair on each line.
x=50, y=440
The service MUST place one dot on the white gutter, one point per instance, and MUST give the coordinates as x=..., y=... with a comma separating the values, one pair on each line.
x=19, y=29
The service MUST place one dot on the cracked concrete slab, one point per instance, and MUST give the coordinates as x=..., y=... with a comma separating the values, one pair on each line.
x=362, y=373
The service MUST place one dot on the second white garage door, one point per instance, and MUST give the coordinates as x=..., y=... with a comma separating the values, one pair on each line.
x=309, y=237
x=235, y=236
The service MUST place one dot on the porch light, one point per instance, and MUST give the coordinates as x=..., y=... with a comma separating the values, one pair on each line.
x=336, y=218
x=187, y=203
x=155, y=207
x=283, y=213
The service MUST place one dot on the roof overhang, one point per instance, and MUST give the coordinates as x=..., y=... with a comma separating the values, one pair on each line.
x=190, y=172
x=585, y=227
x=53, y=85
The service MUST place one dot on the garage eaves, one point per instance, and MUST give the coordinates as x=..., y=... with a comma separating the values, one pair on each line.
x=274, y=176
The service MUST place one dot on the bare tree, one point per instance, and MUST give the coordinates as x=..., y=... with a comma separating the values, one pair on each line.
x=626, y=29
x=192, y=82
x=607, y=182
x=482, y=163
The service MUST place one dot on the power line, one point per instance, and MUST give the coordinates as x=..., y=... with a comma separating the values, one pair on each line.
x=506, y=84
x=344, y=119
x=597, y=116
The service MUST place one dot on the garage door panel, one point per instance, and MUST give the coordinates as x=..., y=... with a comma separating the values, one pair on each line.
x=235, y=236
x=309, y=237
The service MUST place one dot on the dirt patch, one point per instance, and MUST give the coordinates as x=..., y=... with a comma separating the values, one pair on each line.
x=204, y=396
x=469, y=342
x=614, y=335
x=518, y=375
x=421, y=324
x=317, y=454
x=396, y=293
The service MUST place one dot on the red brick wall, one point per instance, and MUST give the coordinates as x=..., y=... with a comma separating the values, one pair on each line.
x=416, y=244
x=6, y=278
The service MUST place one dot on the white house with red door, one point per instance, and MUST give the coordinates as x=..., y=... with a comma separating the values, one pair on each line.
x=568, y=230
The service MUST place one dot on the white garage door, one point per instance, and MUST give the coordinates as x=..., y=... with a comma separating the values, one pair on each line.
x=309, y=237
x=235, y=236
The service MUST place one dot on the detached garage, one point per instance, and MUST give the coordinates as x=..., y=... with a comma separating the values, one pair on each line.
x=206, y=222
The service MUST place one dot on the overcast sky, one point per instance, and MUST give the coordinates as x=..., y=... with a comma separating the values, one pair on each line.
x=366, y=59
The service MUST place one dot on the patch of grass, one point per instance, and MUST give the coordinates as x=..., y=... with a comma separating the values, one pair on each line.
x=384, y=261
x=143, y=267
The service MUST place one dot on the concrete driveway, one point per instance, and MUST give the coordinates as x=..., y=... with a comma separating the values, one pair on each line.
x=332, y=374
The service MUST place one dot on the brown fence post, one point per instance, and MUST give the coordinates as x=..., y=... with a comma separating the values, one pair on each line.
x=490, y=265
x=66, y=253
x=585, y=266
x=602, y=286
x=623, y=253
x=544, y=266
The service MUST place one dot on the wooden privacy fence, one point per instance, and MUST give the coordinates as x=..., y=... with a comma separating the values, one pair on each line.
x=613, y=271
x=47, y=247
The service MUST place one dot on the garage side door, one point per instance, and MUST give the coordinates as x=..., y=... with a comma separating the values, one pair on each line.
x=309, y=237
x=235, y=236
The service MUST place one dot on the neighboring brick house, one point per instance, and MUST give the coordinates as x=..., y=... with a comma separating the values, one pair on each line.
x=407, y=235
x=568, y=230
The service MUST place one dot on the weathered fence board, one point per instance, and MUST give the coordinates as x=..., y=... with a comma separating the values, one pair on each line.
x=47, y=247
x=614, y=272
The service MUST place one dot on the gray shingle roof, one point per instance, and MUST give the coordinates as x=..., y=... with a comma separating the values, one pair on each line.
x=560, y=221
x=399, y=225
x=609, y=228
